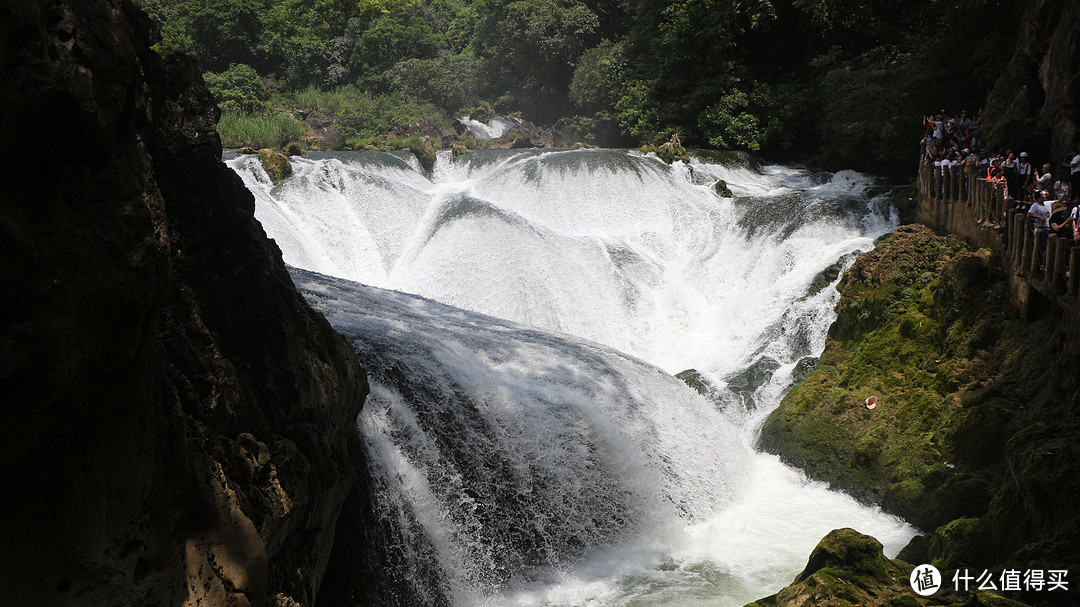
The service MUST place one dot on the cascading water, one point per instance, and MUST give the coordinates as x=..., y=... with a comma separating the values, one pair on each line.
x=529, y=467
x=493, y=129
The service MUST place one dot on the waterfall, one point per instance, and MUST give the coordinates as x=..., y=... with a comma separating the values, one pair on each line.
x=522, y=313
x=495, y=128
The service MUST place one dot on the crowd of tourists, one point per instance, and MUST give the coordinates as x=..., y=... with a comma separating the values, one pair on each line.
x=1048, y=192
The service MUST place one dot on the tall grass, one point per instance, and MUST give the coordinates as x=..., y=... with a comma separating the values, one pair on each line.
x=327, y=102
x=259, y=130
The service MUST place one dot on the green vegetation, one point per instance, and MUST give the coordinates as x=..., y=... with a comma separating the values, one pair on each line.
x=277, y=165
x=271, y=130
x=913, y=314
x=974, y=428
x=850, y=79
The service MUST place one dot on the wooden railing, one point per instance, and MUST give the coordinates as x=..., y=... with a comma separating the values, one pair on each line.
x=1046, y=262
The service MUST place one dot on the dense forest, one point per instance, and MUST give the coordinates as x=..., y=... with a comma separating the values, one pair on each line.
x=847, y=81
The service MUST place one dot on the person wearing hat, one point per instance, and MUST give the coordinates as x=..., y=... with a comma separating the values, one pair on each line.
x=1024, y=177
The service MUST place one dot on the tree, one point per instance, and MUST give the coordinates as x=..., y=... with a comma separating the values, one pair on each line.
x=238, y=89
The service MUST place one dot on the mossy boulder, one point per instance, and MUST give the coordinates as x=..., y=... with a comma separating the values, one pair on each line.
x=721, y=188
x=669, y=151
x=900, y=337
x=746, y=382
x=697, y=381
x=846, y=569
x=974, y=435
x=277, y=165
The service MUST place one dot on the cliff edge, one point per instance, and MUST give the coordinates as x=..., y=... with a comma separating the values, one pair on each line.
x=174, y=416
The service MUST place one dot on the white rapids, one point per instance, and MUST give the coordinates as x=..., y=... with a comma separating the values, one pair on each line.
x=526, y=435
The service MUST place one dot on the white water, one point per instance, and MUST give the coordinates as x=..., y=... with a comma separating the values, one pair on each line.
x=535, y=469
x=493, y=129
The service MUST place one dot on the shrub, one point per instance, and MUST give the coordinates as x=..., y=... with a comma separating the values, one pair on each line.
x=368, y=114
x=238, y=89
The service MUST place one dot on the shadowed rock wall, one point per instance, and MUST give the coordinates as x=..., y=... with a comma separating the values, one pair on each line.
x=173, y=415
x=1043, y=76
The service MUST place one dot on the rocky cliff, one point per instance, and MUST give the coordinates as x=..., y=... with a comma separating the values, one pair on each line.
x=973, y=436
x=1042, y=79
x=173, y=415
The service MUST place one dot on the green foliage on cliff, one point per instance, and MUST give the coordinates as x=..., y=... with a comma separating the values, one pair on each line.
x=849, y=78
x=238, y=89
x=274, y=130
x=973, y=433
x=914, y=314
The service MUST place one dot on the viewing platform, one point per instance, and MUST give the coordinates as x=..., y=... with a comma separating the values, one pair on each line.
x=1043, y=269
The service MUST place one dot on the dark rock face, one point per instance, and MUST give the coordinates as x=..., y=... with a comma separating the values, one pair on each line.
x=174, y=416
x=1043, y=76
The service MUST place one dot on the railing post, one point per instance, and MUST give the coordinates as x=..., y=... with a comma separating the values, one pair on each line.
x=1020, y=220
x=954, y=179
x=1057, y=278
x=1010, y=235
x=1027, y=248
x=1074, y=272
x=1038, y=255
x=1051, y=257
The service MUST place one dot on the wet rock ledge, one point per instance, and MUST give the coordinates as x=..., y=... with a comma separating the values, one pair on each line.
x=173, y=417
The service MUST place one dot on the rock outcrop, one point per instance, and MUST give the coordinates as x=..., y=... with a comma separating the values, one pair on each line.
x=973, y=436
x=1043, y=75
x=174, y=416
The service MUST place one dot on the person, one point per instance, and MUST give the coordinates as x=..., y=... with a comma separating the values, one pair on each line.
x=964, y=126
x=1024, y=177
x=1074, y=217
x=1074, y=173
x=1061, y=189
x=1010, y=168
x=1043, y=181
x=1059, y=220
x=939, y=132
x=1040, y=211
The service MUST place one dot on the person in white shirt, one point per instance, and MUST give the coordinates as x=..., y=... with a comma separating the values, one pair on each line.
x=1040, y=212
x=1043, y=181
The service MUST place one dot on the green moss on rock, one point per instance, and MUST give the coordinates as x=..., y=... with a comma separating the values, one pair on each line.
x=694, y=379
x=974, y=436
x=277, y=165
x=846, y=569
x=899, y=336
